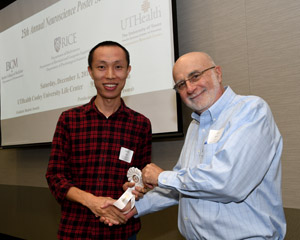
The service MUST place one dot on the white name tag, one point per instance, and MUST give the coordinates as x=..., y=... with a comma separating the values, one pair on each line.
x=126, y=155
x=214, y=136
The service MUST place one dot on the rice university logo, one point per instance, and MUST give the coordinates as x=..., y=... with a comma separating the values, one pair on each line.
x=61, y=42
x=57, y=44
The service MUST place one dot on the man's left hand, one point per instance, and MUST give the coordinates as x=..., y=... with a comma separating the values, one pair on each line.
x=150, y=175
x=138, y=192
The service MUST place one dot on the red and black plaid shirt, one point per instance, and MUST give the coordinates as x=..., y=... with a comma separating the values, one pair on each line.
x=85, y=153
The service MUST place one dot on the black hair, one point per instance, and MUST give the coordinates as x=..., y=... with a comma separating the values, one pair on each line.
x=107, y=43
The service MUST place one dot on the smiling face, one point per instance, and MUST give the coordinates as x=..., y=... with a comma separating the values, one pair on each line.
x=202, y=94
x=109, y=70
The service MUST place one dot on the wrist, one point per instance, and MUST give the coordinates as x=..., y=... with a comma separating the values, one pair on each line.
x=87, y=199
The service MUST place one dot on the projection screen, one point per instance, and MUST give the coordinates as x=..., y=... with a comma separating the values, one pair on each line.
x=43, y=64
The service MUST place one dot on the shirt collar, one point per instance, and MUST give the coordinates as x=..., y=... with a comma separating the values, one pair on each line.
x=91, y=106
x=215, y=110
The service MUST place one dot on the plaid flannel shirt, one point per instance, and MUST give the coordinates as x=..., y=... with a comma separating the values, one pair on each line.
x=85, y=153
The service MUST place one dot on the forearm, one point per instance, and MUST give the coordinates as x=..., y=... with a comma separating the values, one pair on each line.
x=87, y=199
x=77, y=195
x=156, y=200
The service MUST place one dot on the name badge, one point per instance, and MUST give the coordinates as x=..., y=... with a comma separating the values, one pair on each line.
x=126, y=155
x=214, y=136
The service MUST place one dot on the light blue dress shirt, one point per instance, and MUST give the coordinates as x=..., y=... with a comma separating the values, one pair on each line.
x=227, y=180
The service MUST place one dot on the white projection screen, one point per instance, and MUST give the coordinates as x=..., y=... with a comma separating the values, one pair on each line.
x=44, y=47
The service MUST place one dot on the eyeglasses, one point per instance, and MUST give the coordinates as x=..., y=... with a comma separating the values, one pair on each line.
x=193, y=78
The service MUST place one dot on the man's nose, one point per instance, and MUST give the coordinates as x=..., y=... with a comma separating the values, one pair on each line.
x=110, y=73
x=190, y=87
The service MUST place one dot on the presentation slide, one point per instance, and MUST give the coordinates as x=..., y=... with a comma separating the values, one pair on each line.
x=43, y=63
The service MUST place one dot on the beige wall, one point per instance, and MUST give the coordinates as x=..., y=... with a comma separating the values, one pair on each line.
x=257, y=44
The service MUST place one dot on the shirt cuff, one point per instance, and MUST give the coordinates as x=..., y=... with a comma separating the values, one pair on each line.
x=141, y=206
x=168, y=179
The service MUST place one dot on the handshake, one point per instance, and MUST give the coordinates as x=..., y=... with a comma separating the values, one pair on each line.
x=108, y=209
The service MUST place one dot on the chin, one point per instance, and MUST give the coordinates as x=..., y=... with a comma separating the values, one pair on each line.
x=110, y=96
x=196, y=107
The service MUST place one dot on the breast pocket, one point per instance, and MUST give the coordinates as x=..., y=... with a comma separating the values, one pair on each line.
x=209, y=151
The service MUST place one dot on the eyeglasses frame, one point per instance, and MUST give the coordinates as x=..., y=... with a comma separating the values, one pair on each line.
x=190, y=79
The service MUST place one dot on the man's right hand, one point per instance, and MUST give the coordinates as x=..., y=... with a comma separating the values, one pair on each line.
x=110, y=212
x=129, y=215
x=94, y=203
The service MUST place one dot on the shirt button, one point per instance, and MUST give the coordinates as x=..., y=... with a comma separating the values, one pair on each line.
x=100, y=179
x=203, y=130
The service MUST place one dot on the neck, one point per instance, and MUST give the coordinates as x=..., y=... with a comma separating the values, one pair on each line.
x=107, y=106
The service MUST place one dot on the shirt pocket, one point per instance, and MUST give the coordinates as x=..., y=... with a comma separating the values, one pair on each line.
x=209, y=151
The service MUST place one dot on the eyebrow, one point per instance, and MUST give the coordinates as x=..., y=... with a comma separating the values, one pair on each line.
x=192, y=73
x=189, y=75
x=117, y=61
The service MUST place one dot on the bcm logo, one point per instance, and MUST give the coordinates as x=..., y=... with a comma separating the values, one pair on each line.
x=12, y=64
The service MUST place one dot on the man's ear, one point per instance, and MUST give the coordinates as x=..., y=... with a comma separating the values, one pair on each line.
x=128, y=70
x=219, y=73
x=90, y=72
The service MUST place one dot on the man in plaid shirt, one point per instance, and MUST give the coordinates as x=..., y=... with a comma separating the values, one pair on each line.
x=85, y=171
